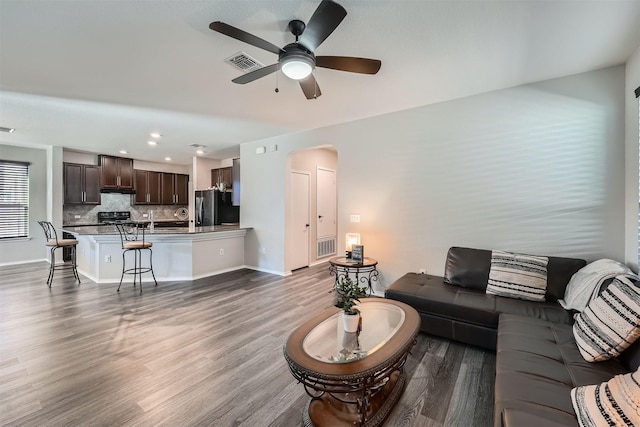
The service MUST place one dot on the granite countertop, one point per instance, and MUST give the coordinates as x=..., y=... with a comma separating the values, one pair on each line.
x=110, y=229
x=142, y=221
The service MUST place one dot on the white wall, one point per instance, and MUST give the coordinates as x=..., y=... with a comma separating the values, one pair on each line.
x=537, y=168
x=81, y=158
x=31, y=249
x=632, y=75
x=202, y=168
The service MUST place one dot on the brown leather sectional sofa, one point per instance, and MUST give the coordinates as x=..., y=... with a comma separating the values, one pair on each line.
x=537, y=359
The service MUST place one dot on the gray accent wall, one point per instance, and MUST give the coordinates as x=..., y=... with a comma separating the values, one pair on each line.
x=13, y=251
x=536, y=168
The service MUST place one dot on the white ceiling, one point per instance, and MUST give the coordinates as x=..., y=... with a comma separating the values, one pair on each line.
x=100, y=75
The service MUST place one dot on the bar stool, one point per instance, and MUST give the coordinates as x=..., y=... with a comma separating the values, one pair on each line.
x=54, y=243
x=132, y=240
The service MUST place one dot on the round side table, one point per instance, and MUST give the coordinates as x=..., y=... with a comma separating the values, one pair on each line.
x=365, y=271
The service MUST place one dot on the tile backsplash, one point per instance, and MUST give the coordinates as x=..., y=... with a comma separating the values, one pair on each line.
x=115, y=202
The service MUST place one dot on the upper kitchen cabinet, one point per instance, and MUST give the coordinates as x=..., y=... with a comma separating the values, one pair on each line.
x=148, y=187
x=175, y=189
x=81, y=184
x=222, y=175
x=117, y=173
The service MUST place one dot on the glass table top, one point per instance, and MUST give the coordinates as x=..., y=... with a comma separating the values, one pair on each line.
x=328, y=342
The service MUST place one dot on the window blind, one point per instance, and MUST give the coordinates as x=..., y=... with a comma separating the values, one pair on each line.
x=14, y=199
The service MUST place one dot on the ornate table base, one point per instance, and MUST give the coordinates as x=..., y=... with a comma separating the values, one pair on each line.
x=331, y=410
x=365, y=272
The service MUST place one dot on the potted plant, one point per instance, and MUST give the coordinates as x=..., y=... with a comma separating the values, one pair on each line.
x=348, y=293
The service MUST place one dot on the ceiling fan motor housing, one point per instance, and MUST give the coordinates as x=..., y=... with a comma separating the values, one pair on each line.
x=296, y=62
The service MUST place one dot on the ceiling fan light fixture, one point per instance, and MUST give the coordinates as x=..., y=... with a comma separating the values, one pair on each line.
x=296, y=67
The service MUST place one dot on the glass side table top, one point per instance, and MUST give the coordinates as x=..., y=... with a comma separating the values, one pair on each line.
x=328, y=342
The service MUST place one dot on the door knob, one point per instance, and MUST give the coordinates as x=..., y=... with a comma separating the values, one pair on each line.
x=306, y=225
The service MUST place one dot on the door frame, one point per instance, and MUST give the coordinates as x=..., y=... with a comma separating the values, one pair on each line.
x=309, y=213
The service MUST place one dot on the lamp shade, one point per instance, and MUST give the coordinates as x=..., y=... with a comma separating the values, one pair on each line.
x=296, y=67
x=352, y=239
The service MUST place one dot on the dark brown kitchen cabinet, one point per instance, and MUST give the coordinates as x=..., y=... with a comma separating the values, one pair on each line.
x=148, y=187
x=117, y=173
x=81, y=184
x=175, y=189
x=222, y=175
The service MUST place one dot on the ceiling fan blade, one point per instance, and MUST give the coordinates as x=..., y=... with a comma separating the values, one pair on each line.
x=243, y=36
x=324, y=20
x=349, y=63
x=255, y=75
x=310, y=87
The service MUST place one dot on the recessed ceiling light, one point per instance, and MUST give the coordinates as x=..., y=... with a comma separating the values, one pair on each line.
x=152, y=142
x=199, y=151
x=155, y=135
x=168, y=159
x=7, y=130
x=123, y=151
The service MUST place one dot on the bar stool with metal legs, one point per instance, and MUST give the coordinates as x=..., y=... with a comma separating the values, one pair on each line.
x=54, y=243
x=133, y=241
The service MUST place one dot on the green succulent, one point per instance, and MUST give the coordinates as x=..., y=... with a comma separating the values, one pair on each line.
x=347, y=294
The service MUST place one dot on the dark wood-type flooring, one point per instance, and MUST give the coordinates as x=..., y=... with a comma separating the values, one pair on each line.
x=200, y=353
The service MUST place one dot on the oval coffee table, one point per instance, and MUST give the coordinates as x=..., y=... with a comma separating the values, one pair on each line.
x=353, y=378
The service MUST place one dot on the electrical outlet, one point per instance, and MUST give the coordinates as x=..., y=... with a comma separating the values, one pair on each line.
x=107, y=258
x=77, y=216
x=145, y=215
x=423, y=271
x=221, y=251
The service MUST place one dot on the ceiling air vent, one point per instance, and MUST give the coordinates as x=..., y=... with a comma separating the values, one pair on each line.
x=244, y=62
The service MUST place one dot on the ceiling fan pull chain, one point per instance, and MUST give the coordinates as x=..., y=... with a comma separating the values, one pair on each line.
x=277, y=72
x=315, y=85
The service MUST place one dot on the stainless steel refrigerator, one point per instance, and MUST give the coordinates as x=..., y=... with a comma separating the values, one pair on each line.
x=215, y=208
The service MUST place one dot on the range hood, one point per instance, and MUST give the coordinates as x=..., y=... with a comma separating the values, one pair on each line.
x=118, y=190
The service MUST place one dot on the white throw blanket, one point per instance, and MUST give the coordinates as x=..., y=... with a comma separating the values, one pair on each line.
x=587, y=281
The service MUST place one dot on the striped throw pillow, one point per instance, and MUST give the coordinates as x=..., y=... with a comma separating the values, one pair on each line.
x=518, y=276
x=612, y=403
x=610, y=323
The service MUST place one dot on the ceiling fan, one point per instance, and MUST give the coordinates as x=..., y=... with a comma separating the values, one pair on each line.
x=297, y=60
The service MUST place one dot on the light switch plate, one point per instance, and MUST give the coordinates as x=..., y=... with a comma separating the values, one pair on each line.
x=354, y=218
x=261, y=150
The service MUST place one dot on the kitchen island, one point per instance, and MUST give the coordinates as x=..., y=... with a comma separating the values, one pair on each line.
x=179, y=253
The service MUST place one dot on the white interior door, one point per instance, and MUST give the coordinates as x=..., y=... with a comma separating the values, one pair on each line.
x=326, y=199
x=300, y=219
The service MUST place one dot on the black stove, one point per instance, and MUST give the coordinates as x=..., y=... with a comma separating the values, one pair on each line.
x=111, y=217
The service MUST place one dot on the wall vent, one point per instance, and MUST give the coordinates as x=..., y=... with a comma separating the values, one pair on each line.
x=326, y=246
x=244, y=62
